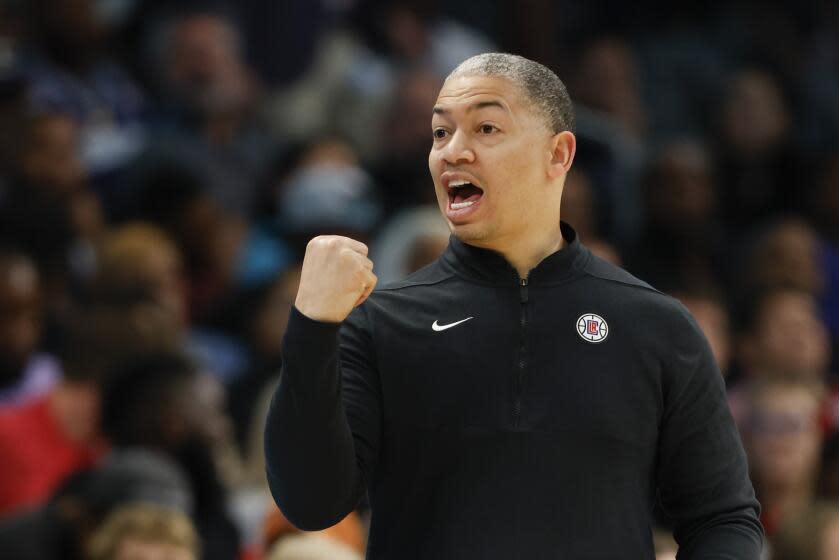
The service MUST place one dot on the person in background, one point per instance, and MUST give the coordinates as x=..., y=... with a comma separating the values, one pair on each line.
x=162, y=402
x=48, y=438
x=210, y=97
x=681, y=241
x=62, y=527
x=781, y=333
x=145, y=532
x=25, y=372
x=71, y=67
x=783, y=435
x=48, y=210
x=811, y=535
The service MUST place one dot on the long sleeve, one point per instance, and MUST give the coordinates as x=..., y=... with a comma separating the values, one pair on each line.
x=324, y=422
x=704, y=484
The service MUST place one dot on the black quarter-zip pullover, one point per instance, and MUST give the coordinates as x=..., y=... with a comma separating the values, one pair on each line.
x=490, y=416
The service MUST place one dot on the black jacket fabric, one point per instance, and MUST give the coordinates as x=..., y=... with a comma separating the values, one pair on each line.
x=528, y=429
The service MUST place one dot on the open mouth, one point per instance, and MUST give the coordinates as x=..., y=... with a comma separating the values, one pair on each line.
x=463, y=194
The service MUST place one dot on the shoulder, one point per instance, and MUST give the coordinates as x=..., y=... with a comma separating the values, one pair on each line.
x=428, y=275
x=653, y=309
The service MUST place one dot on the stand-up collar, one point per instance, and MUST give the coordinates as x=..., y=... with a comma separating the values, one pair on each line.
x=487, y=266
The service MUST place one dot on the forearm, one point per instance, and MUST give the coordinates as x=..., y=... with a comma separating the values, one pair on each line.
x=309, y=452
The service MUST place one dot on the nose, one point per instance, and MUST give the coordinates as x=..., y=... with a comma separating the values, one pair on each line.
x=458, y=150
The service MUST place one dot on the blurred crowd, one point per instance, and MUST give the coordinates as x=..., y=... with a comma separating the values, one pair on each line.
x=162, y=165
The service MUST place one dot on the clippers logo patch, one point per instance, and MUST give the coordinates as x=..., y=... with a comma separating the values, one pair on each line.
x=592, y=328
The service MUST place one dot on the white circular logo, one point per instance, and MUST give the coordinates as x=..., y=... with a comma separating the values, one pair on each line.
x=592, y=328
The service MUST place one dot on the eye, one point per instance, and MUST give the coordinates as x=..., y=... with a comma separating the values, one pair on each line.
x=488, y=128
x=439, y=133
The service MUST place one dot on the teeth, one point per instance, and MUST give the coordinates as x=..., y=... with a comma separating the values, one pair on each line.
x=465, y=204
x=458, y=183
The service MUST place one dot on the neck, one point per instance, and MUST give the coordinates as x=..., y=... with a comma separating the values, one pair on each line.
x=526, y=251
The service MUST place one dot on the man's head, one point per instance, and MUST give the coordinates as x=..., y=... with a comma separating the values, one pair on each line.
x=783, y=434
x=145, y=532
x=782, y=333
x=504, y=125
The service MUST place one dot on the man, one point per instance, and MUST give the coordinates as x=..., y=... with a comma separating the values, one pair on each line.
x=519, y=397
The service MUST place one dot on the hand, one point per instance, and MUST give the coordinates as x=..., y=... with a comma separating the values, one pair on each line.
x=336, y=277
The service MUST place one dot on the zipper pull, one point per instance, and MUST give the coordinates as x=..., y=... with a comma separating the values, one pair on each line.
x=523, y=286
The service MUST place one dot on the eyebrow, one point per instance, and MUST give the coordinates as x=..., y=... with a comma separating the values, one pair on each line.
x=473, y=107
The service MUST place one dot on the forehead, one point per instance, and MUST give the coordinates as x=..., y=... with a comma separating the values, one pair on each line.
x=463, y=92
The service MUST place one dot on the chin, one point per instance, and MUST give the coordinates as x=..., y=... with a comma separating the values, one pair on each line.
x=473, y=234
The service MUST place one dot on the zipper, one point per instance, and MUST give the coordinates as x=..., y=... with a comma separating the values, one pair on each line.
x=521, y=366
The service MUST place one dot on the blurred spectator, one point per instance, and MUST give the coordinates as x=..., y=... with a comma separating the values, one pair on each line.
x=144, y=532
x=70, y=70
x=311, y=547
x=782, y=334
x=327, y=191
x=401, y=167
x=356, y=72
x=162, y=402
x=610, y=126
x=49, y=437
x=783, y=438
x=210, y=123
x=265, y=322
x=711, y=314
x=138, y=263
x=825, y=213
x=682, y=241
x=48, y=210
x=410, y=240
x=213, y=243
x=788, y=253
x=758, y=162
x=608, y=81
x=25, y=373
x=344, y=539
x=61, y=529
x=813, y=534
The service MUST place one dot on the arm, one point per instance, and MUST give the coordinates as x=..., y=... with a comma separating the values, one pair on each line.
x=703, y=478
x=323, y=428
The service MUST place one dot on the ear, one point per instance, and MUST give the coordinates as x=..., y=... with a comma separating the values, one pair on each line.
x=563, y=146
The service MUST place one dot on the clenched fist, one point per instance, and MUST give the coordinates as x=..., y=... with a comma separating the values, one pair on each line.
x=336, y=277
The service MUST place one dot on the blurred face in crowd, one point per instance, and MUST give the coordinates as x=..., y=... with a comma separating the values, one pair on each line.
x=755, y=117
x=680, y=191
x=51, y=158
x=789, y=256
x=200, y=410
x=784, y=436
x=139, y=549
x=205, y=64
x=20, y=315
x=486, y=133
x=789, y=337
x=609, y=81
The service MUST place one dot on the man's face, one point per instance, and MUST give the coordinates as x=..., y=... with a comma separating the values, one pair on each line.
x=487, y=134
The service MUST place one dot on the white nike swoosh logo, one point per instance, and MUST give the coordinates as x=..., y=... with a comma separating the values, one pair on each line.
x=439, y=328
